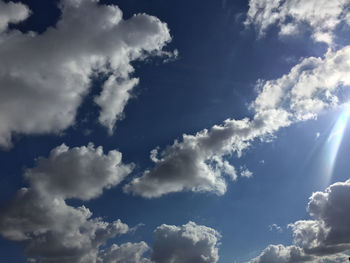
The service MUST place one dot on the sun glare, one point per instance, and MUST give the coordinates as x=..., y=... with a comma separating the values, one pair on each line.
x=333, y=142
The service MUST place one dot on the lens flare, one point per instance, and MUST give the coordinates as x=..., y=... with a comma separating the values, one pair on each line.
x=333, y=142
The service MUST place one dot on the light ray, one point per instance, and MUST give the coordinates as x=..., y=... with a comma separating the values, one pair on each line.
x=333, y=143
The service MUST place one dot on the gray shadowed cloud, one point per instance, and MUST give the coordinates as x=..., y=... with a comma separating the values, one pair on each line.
x=322, y=239
x=44, y=77
x=40, y=218
x=185, y=244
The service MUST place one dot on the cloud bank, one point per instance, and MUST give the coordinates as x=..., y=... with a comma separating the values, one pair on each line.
x=44, y=77
x=53, y=231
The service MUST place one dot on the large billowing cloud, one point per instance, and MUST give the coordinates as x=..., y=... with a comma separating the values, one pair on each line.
x=197, y=162
x=321, y=16
x=185, y=244
x=52, y=230
x=322, y=239
x=44, y=77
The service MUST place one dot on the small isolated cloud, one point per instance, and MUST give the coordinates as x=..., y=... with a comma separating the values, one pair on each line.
x=322, y=239
x=321, y=16
x=275, y=227
x=185, y=244
x=245, y=172
x=44, y=77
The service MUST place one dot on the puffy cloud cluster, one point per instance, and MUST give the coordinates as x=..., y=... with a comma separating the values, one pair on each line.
x=185, y=244
x=54, y=231
x=323, y=239
x=321, y=16
x=39, y=216
x=44, y=77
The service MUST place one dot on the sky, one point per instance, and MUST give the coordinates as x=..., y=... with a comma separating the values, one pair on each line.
x=174, y=131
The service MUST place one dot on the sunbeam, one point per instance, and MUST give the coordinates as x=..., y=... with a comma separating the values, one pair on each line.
x=333, y=142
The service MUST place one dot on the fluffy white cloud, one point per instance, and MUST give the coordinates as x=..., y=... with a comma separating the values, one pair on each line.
x=322, y=16
x=196, y=163
x=309, y=88
x=44, y=77
x=39, y=216
x=323, y=239
x=185, y=244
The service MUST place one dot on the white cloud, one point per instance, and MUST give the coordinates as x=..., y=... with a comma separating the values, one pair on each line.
x=185, y=244
x=44, y=77
x=291, y=16
x=323, y=239
x=309, y=88
x=196, y=163
x=245, y=172
x=39, y=216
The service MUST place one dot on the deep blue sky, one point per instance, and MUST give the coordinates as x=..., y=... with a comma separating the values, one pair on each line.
x=212, y=79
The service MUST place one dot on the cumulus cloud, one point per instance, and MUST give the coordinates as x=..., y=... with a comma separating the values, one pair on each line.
x=40, y=218
x=323, y=239
x=197, y=162
x=321, y=16
x=126, y=253
x=281, y=254
x=44, y=77
x=309, y=88
x=80, y=172
x=185, y=244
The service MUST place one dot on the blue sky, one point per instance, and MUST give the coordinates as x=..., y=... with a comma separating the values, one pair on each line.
x=244, y=105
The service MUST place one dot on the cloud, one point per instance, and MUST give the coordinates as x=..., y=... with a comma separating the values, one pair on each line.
x=321, y=16
x=126, y=253
x=197, y=162
x=330, y=231
x=50, y=229
x=44, y=77
x=185, y=244
x=245, y=172
x=80, y=172
x=275, y=227
x=323, y=239
x=281, y=254
x=309, y=88
x=12, y=13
